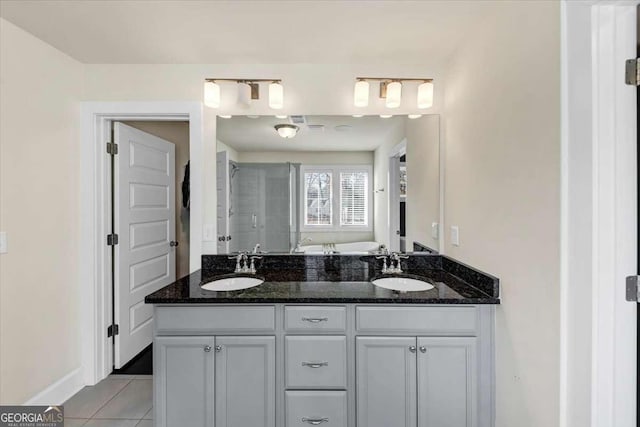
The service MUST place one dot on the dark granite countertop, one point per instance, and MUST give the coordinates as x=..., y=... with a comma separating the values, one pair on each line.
x=334, y=279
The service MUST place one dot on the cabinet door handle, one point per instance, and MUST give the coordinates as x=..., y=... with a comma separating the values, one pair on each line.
x=207, y=348
x=315, y=365
x=218, y=348
x=412, y=349
x=423, y=349
x=315, y=319
x=315, y=421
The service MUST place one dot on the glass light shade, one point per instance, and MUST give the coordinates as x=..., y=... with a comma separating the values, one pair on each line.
x=224, y=116
x=244, y=95
x=394, y=94
x=386, y=116
x=284, y=116
x=361, y=94
x=212, y=94
x=276, y=96
x=425, y=95
x=414, y=116
x=286, y=130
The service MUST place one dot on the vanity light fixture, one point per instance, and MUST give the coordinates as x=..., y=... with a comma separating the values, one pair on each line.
x=276, y=95
x=391, y=91
x=361, y=93
x=286, y=130
x=248, y=91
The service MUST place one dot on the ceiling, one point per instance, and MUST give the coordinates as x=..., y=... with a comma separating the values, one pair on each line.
x=240, y=31
x=352, y=134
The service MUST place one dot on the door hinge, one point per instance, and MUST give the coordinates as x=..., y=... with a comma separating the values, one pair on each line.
x=633, y=294
x=113, y=330
x=112, y=239
x=632, y=72
x=112, y=148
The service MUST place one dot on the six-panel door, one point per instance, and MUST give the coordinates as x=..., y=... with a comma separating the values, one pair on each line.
x=245, y=379
x=386, y=381
x=447, y=382
x=183, y=381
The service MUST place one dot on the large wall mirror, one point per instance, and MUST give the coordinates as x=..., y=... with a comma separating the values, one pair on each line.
x=328, y=184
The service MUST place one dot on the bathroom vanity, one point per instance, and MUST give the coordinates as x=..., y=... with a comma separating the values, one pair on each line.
x=318, y=344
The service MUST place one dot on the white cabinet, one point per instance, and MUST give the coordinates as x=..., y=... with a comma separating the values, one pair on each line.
x=183, y=380
x=237, y=373
x=409, y=382
x=386, y=381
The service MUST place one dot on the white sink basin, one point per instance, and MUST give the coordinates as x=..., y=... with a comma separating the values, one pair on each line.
x=232, y=284
x=402, y=284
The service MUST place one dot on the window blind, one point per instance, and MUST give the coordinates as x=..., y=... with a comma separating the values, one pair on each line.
x=354, y=198
x=318, y=198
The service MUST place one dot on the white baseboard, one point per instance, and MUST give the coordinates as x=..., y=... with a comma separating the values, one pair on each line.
x=60, y=391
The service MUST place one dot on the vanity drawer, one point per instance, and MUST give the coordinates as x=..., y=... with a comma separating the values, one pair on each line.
x=438, y=321
x=308, y=319
x=214, y=320
x=308, y=408
x=313, y=362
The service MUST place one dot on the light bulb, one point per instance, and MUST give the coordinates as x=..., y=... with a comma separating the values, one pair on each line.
x=211, y=94
x=276, y=96
x=425, y=95
x=361, y=94
x=394, y=94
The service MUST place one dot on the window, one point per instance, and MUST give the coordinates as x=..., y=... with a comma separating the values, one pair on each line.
x=336, y=197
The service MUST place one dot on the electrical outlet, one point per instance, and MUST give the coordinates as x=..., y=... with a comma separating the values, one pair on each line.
x=455, y=235
x=435, y=230
x=3, y=242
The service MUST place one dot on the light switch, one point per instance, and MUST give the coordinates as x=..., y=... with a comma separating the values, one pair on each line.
x=455, y=235
x=435, y=230
x=3, y=242
x=209, y=232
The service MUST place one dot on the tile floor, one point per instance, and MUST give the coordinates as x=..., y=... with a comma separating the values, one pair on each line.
x=117, y=401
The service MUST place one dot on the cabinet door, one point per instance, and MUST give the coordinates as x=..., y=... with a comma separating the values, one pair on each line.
x=386, y=381
x=183, y=381
x=447, y=382
x=245, y=381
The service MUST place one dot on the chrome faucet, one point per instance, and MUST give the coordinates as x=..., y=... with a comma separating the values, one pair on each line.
x=300, y=243
x=391, y=263
x=252, y=268
x=241, y=262
x=256, y=249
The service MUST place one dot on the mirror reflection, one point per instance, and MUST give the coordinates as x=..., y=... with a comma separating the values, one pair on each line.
x=328, y=184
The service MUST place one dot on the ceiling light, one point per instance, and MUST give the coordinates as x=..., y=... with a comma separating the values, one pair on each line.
x=276, y=96
x=414, y=116
x=224, y=116
x=385, y=116
x=211, y=94
x=357, y=116
x=394, y=94
x=361, y=94
x=286, y=130
x=281, y=117
x=425, y=95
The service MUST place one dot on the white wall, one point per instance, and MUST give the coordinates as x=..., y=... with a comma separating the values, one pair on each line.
x=233, y=154
x=502, y=135
x=178, y=134
x=423, y=179
x=39, y=210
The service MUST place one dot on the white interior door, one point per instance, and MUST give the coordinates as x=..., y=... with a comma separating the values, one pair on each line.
x=222, y=189
x=145, y=223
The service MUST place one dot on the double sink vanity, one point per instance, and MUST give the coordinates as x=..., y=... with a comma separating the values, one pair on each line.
x=331, y=340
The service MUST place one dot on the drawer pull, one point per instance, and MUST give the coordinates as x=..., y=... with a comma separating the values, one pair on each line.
x=315, y=364
x=315, y=421
x=315, y=319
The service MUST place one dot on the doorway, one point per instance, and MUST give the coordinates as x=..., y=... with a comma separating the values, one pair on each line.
x=150, y=225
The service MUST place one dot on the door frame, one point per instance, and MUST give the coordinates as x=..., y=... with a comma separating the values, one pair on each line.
x=598, y=342
x=95, y=204
x=393, y=184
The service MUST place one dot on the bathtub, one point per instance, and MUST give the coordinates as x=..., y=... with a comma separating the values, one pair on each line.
x=344, y=248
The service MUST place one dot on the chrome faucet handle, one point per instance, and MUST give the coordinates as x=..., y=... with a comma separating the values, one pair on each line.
x=396, y=257
x=252, y=269
x=385, y=267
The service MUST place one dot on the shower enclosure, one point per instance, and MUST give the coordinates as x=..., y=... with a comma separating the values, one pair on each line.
x=263, y=206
